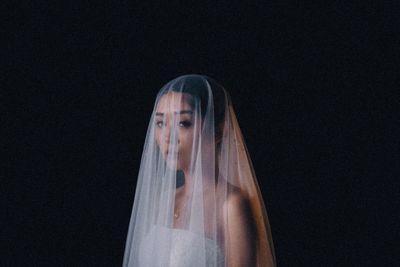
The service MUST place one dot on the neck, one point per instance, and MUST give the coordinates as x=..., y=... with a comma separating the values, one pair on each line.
x=207, y=181
x=187, y=184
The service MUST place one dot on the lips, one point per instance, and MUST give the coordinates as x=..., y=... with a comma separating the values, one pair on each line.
x=170, y=148
x=175, y=153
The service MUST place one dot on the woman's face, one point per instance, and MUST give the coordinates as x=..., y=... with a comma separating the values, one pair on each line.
x=174, y=113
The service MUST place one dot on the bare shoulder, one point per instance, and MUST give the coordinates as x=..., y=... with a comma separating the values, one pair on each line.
x=236, y=204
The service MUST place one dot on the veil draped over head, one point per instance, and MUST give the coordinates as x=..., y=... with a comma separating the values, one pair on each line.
x=197, y=200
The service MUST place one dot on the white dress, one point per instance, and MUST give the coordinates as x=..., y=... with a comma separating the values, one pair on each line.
x=166, y=247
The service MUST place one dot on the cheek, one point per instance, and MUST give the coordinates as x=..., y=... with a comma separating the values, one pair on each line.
x=186, y=140
x=157, y=136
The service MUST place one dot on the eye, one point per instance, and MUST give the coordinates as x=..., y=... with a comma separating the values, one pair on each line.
x=159, y=124
x=185, y=124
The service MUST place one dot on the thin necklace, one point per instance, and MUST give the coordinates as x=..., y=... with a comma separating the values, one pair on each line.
x=177, y=212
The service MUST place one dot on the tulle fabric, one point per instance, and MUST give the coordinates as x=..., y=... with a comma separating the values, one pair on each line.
x=197, y=201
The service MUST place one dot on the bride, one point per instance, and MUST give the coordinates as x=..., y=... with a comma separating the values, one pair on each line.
x=197, y=200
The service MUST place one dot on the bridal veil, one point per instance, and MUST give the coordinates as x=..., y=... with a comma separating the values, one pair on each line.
x=197, y=200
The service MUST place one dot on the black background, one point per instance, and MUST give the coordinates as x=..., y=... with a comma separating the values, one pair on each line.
x=313, y=86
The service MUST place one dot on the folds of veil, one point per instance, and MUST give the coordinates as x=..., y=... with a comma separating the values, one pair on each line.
x=194, y=159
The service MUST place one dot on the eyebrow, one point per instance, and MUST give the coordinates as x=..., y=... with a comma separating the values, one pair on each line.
x=180, y=112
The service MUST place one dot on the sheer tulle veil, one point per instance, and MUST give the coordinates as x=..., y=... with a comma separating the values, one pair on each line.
x=197, y=200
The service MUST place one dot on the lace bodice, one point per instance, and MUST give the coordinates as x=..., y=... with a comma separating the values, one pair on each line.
x=168, y=247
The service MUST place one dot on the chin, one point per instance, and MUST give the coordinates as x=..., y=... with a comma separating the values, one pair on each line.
x=173, y=164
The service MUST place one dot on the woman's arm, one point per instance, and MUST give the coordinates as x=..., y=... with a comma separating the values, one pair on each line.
x=239, y=231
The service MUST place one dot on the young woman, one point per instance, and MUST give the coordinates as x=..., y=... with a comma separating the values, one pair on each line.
x=197, y=200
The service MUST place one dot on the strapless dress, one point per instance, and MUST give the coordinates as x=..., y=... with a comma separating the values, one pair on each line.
x=166, y=247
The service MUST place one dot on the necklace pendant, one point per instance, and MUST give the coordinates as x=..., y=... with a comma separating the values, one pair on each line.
x=176, y=215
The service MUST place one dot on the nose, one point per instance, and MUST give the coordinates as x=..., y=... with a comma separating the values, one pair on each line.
x=170, y=131
x=171, y=136
x=167, y=134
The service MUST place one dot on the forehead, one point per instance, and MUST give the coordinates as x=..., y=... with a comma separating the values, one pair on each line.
x=173, y=101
